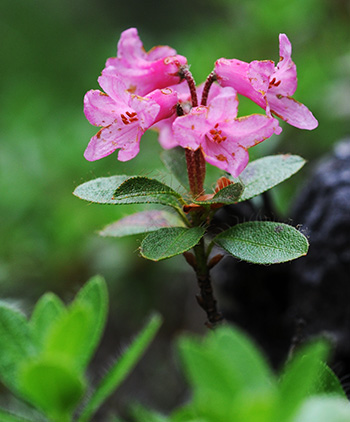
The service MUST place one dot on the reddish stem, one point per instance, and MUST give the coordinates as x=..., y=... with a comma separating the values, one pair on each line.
x=208, y=83
x=196, y=170
x=186, y=74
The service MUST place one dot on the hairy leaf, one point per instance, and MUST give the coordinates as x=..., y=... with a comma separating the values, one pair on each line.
x=175, y=161
x=263, y=242
x=168, y=242
x=142, y=222
x=265, y=173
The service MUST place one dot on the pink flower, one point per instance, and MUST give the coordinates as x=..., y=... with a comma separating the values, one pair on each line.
x=165, y=127
x=124, y=117
x=269, y=86
x=222, y=137
x=141, y=71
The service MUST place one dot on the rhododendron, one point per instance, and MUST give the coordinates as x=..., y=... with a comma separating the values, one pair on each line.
x=144, y=72
x=222, y=137
x=124, y=117
x=269, y=86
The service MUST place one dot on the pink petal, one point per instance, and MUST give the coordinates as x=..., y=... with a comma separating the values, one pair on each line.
x=146, y=109
x=234, y=73
x=291, y=111
x=108, y=139
x=166, y=134
x=115, y=88
x=130, y=47
x=259, y=73
x=159, y=52
x=190, y=128
x=224, y=106
x=166, y=99
x=227, y=156
x=250, y=130
x=99, y=108
x=286, y=72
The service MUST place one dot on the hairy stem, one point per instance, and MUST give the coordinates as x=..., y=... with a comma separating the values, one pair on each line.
x=206, y=296
x=208, y=83
x=196, y=171
x=186, y=74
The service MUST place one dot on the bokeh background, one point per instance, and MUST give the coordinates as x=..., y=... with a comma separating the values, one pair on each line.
x=52, y=53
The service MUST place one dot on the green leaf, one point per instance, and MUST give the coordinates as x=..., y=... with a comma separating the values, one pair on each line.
x=328, y=382
x=69, y=337
x=6, y=416
x=121, y=369
x=263, y=242
x=227, y=195
x=324, y=409
x=94, y=295
x=224, y=369
x=300, y=379
x=267, y=172
x=168, y=242
x=47, y=310
x=53, y=387
x=142, y=222
x=74, y=336
x=143, y=190
x=175, y=161
x=101, y=190
x=16, y=344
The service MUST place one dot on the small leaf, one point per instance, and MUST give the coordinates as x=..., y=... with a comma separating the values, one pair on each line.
x=52, y=387
x=143, y=190
x=267, y=172
x=227, y=195
x=263, y=242
x=121, y=369
x=100, y=190
x=94, y=295
x=301, y=379
x=175, y=161
x=47, y=310
x=168, y=242
x=69, y=337
x=16, y=344
x=142, y=222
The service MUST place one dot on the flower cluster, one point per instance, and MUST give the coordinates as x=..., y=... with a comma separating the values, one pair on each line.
x=155, y=89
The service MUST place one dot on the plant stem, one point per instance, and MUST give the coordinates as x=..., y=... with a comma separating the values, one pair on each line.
x=206, y=297
x=196, y=170
x=208, y=83
x=186, y=74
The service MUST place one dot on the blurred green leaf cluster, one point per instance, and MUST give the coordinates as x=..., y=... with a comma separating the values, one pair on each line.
x=43, y=361
x=231, y=381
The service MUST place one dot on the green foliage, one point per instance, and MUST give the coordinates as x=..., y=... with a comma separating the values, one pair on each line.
x=227, y=195
x=231, y=381
x=168, y=242
x=263, y=242
x=43, y=360
x=265, y=173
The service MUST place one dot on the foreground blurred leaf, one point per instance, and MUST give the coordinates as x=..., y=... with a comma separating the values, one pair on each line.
x=267, y=172
x=175, y=161
x=47, y=310
x=263, y=242
x=142, y=222
x=6, y=416
x=300, y=379
x=52, y=387
x=16, y=344
x=324, y=409
x=223, y=369
x=168, y=242
x=120, y=370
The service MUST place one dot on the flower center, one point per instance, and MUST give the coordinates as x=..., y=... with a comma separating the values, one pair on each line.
x=216, y=135
x=129, y=118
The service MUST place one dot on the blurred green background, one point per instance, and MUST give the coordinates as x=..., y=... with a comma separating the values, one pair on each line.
x=52, y=53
